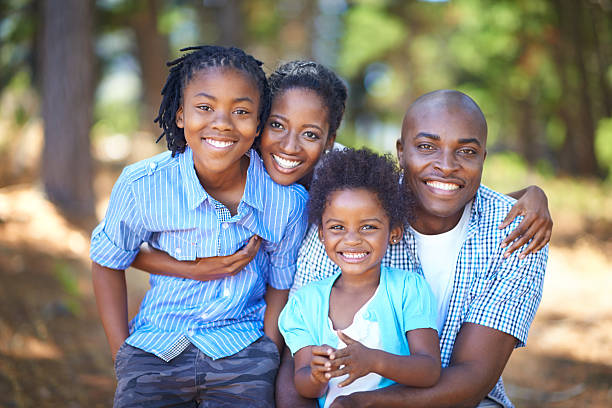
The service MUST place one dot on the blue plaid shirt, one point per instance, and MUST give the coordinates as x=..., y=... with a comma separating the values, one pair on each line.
x=161, y=201
x=489, y=290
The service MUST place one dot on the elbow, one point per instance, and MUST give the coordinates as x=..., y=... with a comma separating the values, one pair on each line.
x=432, y=376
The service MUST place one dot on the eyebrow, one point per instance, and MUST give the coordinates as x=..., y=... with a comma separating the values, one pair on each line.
x=334, y=220
x=276, y=115
x=243, y=99
x=437, y=137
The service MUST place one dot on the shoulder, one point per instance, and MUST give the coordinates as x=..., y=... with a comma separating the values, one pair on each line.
x=492, y=204
x=402, y=278
x=148, y=168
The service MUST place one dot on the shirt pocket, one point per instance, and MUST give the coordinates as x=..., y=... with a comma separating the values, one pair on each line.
x=179, y=244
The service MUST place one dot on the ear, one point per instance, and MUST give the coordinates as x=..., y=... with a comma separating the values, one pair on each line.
x=400, y=152
x=321, y=234
x=331, y=138
x=396, y=234
x=179, y=118
x=485, y=155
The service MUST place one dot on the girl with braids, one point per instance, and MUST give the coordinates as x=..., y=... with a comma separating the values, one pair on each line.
x=196, y=342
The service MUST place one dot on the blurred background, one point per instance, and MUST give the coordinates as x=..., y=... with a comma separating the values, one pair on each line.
x=80, y=84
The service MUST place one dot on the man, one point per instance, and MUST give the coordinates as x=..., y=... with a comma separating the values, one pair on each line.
x=487, y=301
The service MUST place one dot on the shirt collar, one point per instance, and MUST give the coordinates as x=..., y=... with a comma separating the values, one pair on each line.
x=193, y=189
x=196, y=194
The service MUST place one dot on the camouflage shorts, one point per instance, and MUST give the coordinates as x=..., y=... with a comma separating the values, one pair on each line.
x=192, y=379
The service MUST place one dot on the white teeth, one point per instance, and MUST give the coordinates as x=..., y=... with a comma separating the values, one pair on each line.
x=443, y=186
x=286, y=164
x=354, y=255
x=219, y=143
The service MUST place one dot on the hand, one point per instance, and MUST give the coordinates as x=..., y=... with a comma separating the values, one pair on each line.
x=219, y=267
x=536, y=224
x=320, y=363
x=355, y=359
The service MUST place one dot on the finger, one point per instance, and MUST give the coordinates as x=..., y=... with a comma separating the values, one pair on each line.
x=348, y=381
x=535, y=243
x=517, y=232
x=343, y=352
x=323, y=350
x=512, y=214
x=336, y=373
x=345, y=338
x=321, y=362
x=515, y=245
x=545, y=241
x=336, y=363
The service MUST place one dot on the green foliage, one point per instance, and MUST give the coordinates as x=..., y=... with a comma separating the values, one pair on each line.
x=370, y=32
x=603, y=144
x=68, y=280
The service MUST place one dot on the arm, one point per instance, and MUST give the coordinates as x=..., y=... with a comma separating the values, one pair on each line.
x=275, y=301
x=419, y=369
x=478, y=359
x=536, y=225
x=203, y=269
x=111, y=298
x=287, y=395
x=312, y=366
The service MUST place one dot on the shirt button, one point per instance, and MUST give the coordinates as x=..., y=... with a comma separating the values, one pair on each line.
x=178, y=250
x=225, y=225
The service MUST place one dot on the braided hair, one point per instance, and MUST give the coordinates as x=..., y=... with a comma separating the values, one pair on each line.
x=182, y=70
x=314, y=76
x=350, y=169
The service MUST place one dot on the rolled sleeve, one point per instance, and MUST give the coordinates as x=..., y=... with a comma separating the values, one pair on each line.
x=116, y=240
x=283, y=256
x=509, y=297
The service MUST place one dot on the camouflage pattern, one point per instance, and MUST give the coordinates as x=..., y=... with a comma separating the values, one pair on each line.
x=192, y=379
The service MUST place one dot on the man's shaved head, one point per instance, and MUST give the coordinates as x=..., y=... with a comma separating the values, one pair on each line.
x=446, y=101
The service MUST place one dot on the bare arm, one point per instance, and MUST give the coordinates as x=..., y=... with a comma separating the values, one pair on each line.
x=275, y=301
x=287, y=395
x=202, y=269
x=537, y=223
x=111, y=297
x=312, y=365
x=479, y=357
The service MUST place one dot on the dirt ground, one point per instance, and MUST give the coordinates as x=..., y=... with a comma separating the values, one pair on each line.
x=53, y=351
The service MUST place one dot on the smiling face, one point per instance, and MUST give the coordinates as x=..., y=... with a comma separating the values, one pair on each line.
x=355, y=231
x=295, y=136
x=442, y=150
x=219, y=117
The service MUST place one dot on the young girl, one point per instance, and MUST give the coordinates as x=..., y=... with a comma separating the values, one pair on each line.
x=368, y=326
x=193, y=342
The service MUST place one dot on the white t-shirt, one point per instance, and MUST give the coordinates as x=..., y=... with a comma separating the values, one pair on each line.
x=438, y=255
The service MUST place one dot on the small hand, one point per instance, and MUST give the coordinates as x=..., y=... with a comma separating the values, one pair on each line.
x=219, y=267
x=320, y=363
x=355, y=359
x=536, y=224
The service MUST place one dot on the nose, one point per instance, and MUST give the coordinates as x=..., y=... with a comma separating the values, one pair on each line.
x=446, y=162
x=352, y=238
x=289, y=143
x=222, y=121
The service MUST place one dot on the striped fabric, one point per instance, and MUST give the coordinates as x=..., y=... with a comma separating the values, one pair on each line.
x=161, y=201
x=489, y=290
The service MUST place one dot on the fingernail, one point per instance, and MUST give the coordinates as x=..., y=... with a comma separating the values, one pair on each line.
x=327, y=375
x=522, y=256
x=503, y=245
x=506, y=254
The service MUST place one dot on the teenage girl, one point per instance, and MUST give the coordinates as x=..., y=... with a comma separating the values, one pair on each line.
x=197, y=343
x=368, y=326
x=308, y=102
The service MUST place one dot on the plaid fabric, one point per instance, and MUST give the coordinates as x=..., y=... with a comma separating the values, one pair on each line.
x=489, y=290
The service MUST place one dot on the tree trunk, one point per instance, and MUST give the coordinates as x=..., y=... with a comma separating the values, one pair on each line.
x=67, y=97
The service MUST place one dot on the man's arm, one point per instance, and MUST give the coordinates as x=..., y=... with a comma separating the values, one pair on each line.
x=479, y=357
x=111, y=297
x=275, y=301
x=287, y=395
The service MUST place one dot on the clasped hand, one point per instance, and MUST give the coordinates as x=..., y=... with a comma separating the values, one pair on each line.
x=355, y=359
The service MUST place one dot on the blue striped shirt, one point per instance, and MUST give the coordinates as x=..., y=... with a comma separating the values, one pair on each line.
x=161, y=201
x=489, y=290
